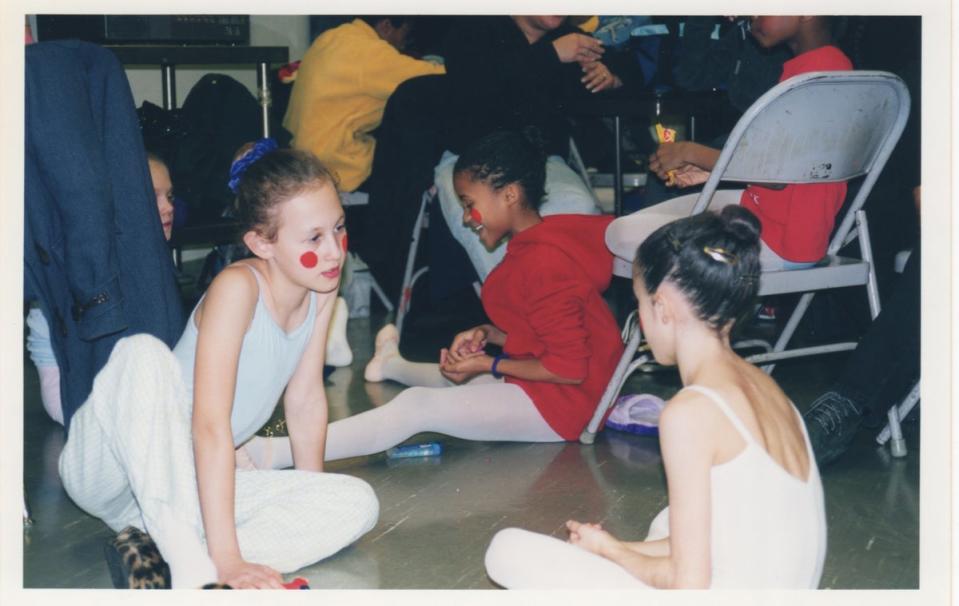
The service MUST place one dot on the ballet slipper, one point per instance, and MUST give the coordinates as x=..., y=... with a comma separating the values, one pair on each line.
x=387, y=345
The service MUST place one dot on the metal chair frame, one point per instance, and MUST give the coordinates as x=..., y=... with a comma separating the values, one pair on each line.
x=817, y=127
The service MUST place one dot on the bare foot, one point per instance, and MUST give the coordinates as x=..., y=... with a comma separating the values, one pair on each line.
x=387, y=345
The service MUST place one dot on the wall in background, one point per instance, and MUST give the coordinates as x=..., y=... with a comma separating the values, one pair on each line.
x=265, y=30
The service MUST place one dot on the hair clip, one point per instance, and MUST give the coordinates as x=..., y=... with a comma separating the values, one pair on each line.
x=720, y=254
x=749, y=279
x=239, y=166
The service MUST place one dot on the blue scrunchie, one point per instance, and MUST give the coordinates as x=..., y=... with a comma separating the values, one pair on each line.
x=260, y=149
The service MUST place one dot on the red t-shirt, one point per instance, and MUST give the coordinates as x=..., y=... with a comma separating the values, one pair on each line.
x=546, y=296
x=797, y=220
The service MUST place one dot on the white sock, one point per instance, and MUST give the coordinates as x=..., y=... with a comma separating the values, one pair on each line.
x=338, y=352
x=387, y=345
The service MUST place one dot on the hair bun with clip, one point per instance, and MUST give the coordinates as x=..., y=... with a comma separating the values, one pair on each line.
x=239, y=166
x=720, y=255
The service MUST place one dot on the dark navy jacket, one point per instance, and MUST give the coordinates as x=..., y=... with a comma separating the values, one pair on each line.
x=94, y=252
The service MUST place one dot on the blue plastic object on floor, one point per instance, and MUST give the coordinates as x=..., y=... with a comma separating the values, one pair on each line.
x=429, y=449
x=637, y=414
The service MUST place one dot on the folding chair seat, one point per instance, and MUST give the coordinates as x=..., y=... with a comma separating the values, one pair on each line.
x=817, y=127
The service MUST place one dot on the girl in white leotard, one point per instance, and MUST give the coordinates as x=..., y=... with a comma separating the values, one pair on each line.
x=745, y=499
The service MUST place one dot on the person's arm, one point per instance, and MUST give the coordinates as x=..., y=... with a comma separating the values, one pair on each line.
x=530, y=369
x=472, y=341
x=304, y=401
x=556, y=295
x=223, y=320
x=682, y=561
x=382, y=68
x=671, y=156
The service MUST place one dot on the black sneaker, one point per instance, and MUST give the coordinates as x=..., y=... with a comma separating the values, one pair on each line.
x=134, y=561
x=831, y=422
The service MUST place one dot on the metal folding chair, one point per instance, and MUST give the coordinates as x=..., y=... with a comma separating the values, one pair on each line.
x=817, y=127
x=409, y=275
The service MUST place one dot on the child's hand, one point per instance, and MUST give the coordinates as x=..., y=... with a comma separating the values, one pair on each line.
x=240, y=574
x=598, y=77
x=669, y=156
x=689, y=175
x=464, y=369
x=590, y=537
x=468, y=343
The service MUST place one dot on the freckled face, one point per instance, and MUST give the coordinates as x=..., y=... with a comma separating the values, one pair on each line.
x=484, y=208
x=310, y=243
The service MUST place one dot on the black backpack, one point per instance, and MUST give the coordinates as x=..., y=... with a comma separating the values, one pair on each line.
x=218, y=116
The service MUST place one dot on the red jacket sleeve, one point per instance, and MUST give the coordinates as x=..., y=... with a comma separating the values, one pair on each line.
x=556, y=298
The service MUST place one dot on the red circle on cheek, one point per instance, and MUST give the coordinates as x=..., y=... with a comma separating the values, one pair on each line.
x=346, y=240
x=476, y=216
x=309, y=259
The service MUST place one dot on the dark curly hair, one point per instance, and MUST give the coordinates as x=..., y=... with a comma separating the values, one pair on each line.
x=505, y=156
x=275, y=178
x=712, y=258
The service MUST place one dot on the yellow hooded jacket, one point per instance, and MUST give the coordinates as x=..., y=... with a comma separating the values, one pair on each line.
x=339, y=95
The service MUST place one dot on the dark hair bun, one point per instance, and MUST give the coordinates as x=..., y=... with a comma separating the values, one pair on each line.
x=713, y=258
x=741, y=224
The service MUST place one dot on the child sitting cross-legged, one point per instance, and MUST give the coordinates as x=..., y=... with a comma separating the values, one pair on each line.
x=745, y=498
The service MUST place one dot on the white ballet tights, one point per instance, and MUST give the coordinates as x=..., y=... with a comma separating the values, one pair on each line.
x=483, y=409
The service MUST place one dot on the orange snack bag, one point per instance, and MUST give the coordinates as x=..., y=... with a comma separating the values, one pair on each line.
x=667, y=135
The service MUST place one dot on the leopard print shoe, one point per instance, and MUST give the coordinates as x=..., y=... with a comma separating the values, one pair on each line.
x=134, y=561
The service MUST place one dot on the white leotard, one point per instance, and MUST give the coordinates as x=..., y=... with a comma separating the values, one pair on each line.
x=768, y=526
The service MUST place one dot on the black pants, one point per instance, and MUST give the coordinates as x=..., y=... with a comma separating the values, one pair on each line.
x=885, y=365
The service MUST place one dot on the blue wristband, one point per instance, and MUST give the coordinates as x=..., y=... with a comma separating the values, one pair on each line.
x=496, y=361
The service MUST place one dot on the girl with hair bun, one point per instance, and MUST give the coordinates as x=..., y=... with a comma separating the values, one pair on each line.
x=745, y=498
x=151, y=451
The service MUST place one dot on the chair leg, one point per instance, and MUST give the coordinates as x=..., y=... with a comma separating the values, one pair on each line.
x=790, y=327
x=865, y=246
x=406, y=291
x=612, y=388
x=27, y=520
x=577, y=162
x=893, y=430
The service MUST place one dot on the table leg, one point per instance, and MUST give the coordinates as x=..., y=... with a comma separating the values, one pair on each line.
x=263, y=81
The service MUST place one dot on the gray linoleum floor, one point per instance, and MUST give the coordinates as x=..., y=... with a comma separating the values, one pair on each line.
x=438, y=515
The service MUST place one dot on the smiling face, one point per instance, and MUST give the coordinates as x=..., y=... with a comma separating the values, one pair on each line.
x=310, y=243
x=484, y=208
x=163, y=191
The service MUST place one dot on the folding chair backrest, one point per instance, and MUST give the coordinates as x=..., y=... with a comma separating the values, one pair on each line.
x=817, y=127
